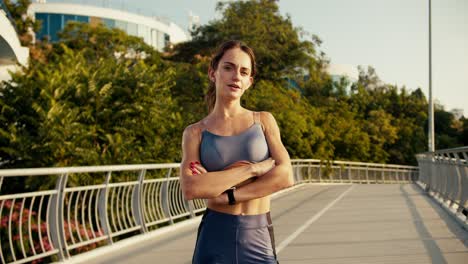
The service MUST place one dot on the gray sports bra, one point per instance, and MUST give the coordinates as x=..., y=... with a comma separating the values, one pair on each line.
x=218, y=152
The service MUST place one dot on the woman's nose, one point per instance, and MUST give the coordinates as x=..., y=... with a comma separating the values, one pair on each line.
x=236, y=75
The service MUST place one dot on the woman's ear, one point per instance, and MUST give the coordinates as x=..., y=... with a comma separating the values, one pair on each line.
x=211, y=74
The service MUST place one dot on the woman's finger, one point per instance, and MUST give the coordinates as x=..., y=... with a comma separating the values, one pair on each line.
x=201, y=169
x=193, y=169
x=197, y=168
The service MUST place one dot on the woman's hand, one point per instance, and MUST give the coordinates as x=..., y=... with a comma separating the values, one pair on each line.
x=259, y=168
x=197, y=168
x=263, y=167
x=239, y=164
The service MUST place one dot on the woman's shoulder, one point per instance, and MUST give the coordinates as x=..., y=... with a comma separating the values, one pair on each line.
x=266, y=117
x=194, y=129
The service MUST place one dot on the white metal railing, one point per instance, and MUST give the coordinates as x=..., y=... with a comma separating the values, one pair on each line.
x=68, y=219
x=312, y=170
x=444, y=174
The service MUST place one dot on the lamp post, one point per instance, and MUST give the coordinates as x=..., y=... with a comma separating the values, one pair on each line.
x=431, y=142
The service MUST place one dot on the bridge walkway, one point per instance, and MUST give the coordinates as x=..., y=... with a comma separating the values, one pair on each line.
x=363, y=223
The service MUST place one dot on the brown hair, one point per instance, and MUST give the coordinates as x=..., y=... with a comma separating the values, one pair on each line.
x=210, y=97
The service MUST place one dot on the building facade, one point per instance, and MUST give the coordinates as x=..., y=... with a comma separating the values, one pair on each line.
x=155, y=32
x=12, y=54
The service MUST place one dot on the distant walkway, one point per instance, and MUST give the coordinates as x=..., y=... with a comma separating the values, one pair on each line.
x=377, y=223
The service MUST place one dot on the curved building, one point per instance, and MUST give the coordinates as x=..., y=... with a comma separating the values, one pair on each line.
x=11, y=51
x=155, y=32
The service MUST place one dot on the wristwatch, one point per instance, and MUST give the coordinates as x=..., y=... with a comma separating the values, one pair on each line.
x=230, y=195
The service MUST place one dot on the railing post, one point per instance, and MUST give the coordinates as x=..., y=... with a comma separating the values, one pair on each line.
x=191, y=208
x=165, y=197
x=320, y=171
x=367, y=174
x=298, y=177
x=341, y=176
x=463, y=184
x=137, y=205
x=332, y=174
x=102, y=209
x=55, y=218
x=350, y=176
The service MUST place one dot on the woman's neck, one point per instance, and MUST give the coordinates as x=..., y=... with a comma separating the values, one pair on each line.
x=227, y=110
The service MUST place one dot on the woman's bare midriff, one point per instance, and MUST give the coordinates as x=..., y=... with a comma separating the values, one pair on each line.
x=252, y=207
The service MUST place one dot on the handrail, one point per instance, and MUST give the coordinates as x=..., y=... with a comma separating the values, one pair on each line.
x=444, y=175
x=83, y=169
x=58, y=223
x=356, y=163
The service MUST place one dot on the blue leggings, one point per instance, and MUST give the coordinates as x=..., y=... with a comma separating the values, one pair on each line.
x=234, y=239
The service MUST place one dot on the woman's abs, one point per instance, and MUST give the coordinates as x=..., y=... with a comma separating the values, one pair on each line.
x=252, y=207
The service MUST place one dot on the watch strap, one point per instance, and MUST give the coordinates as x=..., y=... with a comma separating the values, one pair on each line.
x=230, y=195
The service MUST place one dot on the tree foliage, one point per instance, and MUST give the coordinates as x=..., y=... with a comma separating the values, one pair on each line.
x=102, y=97
x=279, y=50
x=87, y=108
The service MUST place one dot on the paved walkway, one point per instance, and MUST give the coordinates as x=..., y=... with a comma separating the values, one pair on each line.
x=337, y=224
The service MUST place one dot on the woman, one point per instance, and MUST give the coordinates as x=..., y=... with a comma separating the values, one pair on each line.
x=235, y=159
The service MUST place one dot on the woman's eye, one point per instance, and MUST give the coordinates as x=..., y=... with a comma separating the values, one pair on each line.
x=227, y=67
x=244, y=73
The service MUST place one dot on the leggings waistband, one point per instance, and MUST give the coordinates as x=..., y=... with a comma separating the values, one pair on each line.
x=237, y=221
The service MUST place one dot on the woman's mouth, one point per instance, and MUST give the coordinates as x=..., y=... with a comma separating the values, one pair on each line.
x=234, y=86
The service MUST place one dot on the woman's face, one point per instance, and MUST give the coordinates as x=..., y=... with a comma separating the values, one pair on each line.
x=233, y=75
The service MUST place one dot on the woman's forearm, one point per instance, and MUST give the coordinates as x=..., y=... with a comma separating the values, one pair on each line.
x=278, y=178
x=212, y=184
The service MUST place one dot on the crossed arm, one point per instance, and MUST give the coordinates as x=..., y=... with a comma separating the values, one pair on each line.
x=212, y=184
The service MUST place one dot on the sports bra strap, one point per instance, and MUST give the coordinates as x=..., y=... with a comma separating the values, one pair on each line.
x=258, y=121
x=256, y=117
x=201, y=127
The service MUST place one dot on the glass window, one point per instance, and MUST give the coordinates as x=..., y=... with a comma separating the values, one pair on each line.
x=167, y=40
x=67, y=18
x=121, y=25
x=110, y=23
x=55, y=25
x=84, y=19
x=44, y=30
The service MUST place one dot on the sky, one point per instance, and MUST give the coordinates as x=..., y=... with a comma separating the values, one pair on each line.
x=389, y=35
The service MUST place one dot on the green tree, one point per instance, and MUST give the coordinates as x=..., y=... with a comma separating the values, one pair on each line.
x=446, y=133
x=279, y=50
x=190, y=89
x=85, y=109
